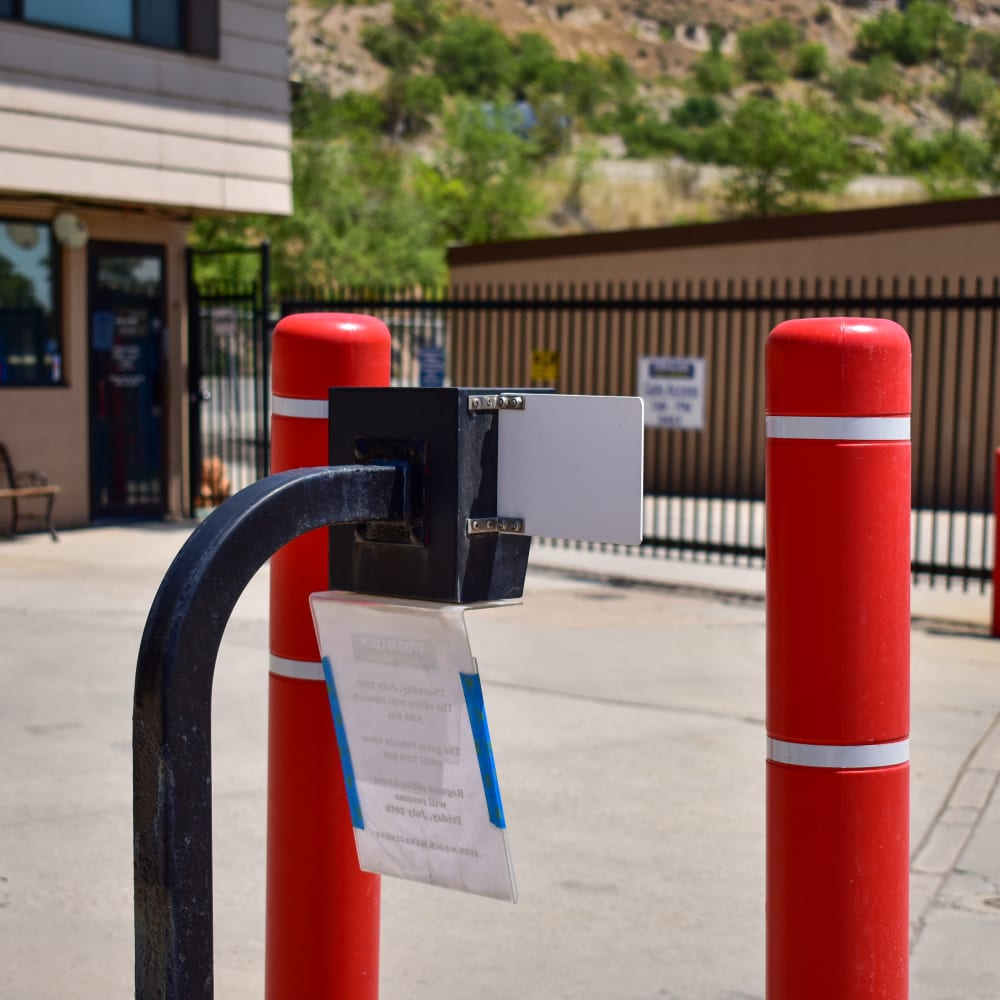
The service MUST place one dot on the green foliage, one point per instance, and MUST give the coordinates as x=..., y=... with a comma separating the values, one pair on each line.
x=473, y=57
x=479, y=188
x=714, y=74
x=716, y=36
x=966, y=94
x=858, y=122
x=949, y=163
x=317, y=115
x=355, y=219
x=399, y=44
x=585, y=86
x=810, y=61
x=621, y=78
x=984, y=52
x=552, y=131
x=691, y=130
x=418, y=19
x=411, y=101
x=913, y=36
x=782, y=152
x=696, y=112
x=991, y=140
x=538, y=68
x=763, y=50
x=645, y=135
x=880, y=78
x=390, y=46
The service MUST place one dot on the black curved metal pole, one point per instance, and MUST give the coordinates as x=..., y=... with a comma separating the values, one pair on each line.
x=171, y=734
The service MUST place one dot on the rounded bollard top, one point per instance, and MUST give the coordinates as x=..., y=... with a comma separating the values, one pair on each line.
x=838, y=366
x=312, y=351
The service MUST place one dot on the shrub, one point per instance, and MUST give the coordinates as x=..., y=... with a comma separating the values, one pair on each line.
x=585, y=86
x=913, y=36
x=538, y=68
x=984, y=52
x=389, y=46
x=474, y=57
x=967, y=94
x=696, y=112
x=879, y=77
x=810, y=61
x=761, y=48
x=714, y=74
x=948, y=158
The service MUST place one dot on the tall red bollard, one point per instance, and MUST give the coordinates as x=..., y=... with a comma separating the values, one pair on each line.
x=838, y=635
x=995, y=627
x=322, y=932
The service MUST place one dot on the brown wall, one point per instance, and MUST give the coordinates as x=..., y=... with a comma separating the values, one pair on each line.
x=48, y=428
x=934, y=240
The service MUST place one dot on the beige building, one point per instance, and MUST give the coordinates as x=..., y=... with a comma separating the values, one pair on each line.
x=121, y=121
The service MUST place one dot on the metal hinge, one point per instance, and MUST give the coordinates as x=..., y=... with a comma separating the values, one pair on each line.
x=494, y=526
x=499, y=401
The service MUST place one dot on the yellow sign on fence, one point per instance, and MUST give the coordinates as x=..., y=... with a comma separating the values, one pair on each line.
x=545, y=367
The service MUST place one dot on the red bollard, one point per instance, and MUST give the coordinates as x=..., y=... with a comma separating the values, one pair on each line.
x=995, y=628
x=322, y=932
x=838, y=637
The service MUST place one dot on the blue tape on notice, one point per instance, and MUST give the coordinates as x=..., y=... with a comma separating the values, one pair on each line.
x=357, y=820
x=473, y=690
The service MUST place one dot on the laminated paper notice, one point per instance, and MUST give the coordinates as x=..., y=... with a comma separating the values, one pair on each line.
x=414, y=743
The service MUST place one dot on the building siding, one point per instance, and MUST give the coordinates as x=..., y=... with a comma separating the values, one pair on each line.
x=92, y=118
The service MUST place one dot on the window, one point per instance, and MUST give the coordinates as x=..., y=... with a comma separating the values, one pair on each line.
x=187, y=25
x=30, y=335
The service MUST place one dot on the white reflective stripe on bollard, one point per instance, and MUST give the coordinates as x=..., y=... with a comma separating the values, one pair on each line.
x=839, y=428
x=310, y=409
x=846, y=757
x=299, y=670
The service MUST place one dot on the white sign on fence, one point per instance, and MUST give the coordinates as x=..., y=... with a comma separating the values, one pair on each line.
x=673, y=390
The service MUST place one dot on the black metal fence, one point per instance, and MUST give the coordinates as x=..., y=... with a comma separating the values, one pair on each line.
x=228, y=383
x=705, y=487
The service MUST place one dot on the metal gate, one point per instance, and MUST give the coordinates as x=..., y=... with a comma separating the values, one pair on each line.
x=229, y=387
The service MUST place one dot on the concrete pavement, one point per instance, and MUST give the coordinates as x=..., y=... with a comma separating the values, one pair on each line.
x=627, y=723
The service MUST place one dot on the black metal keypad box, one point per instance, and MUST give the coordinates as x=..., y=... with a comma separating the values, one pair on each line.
x=451, y=545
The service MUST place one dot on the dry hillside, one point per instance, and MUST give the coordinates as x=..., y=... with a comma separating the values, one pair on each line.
x=660, y=39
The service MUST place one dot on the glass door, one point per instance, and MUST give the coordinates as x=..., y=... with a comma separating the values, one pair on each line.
x=126, y=314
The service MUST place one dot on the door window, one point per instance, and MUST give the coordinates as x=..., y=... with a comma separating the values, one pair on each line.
x=126, y=349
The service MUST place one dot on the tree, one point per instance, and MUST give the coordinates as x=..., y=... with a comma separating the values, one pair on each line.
x=781, y=153
x=479, y=188
x=474, y=57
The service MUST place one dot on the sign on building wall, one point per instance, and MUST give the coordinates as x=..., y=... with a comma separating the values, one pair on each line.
x=673, y=390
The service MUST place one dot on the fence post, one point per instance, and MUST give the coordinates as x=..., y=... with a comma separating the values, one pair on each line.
x=838, y=629
x=322, y=910
x=995, y=627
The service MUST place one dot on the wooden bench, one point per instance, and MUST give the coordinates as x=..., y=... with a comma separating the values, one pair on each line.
x=15, y=486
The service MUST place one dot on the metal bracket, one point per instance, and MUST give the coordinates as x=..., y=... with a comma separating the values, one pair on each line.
x=494, y=526
x=498, y=401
